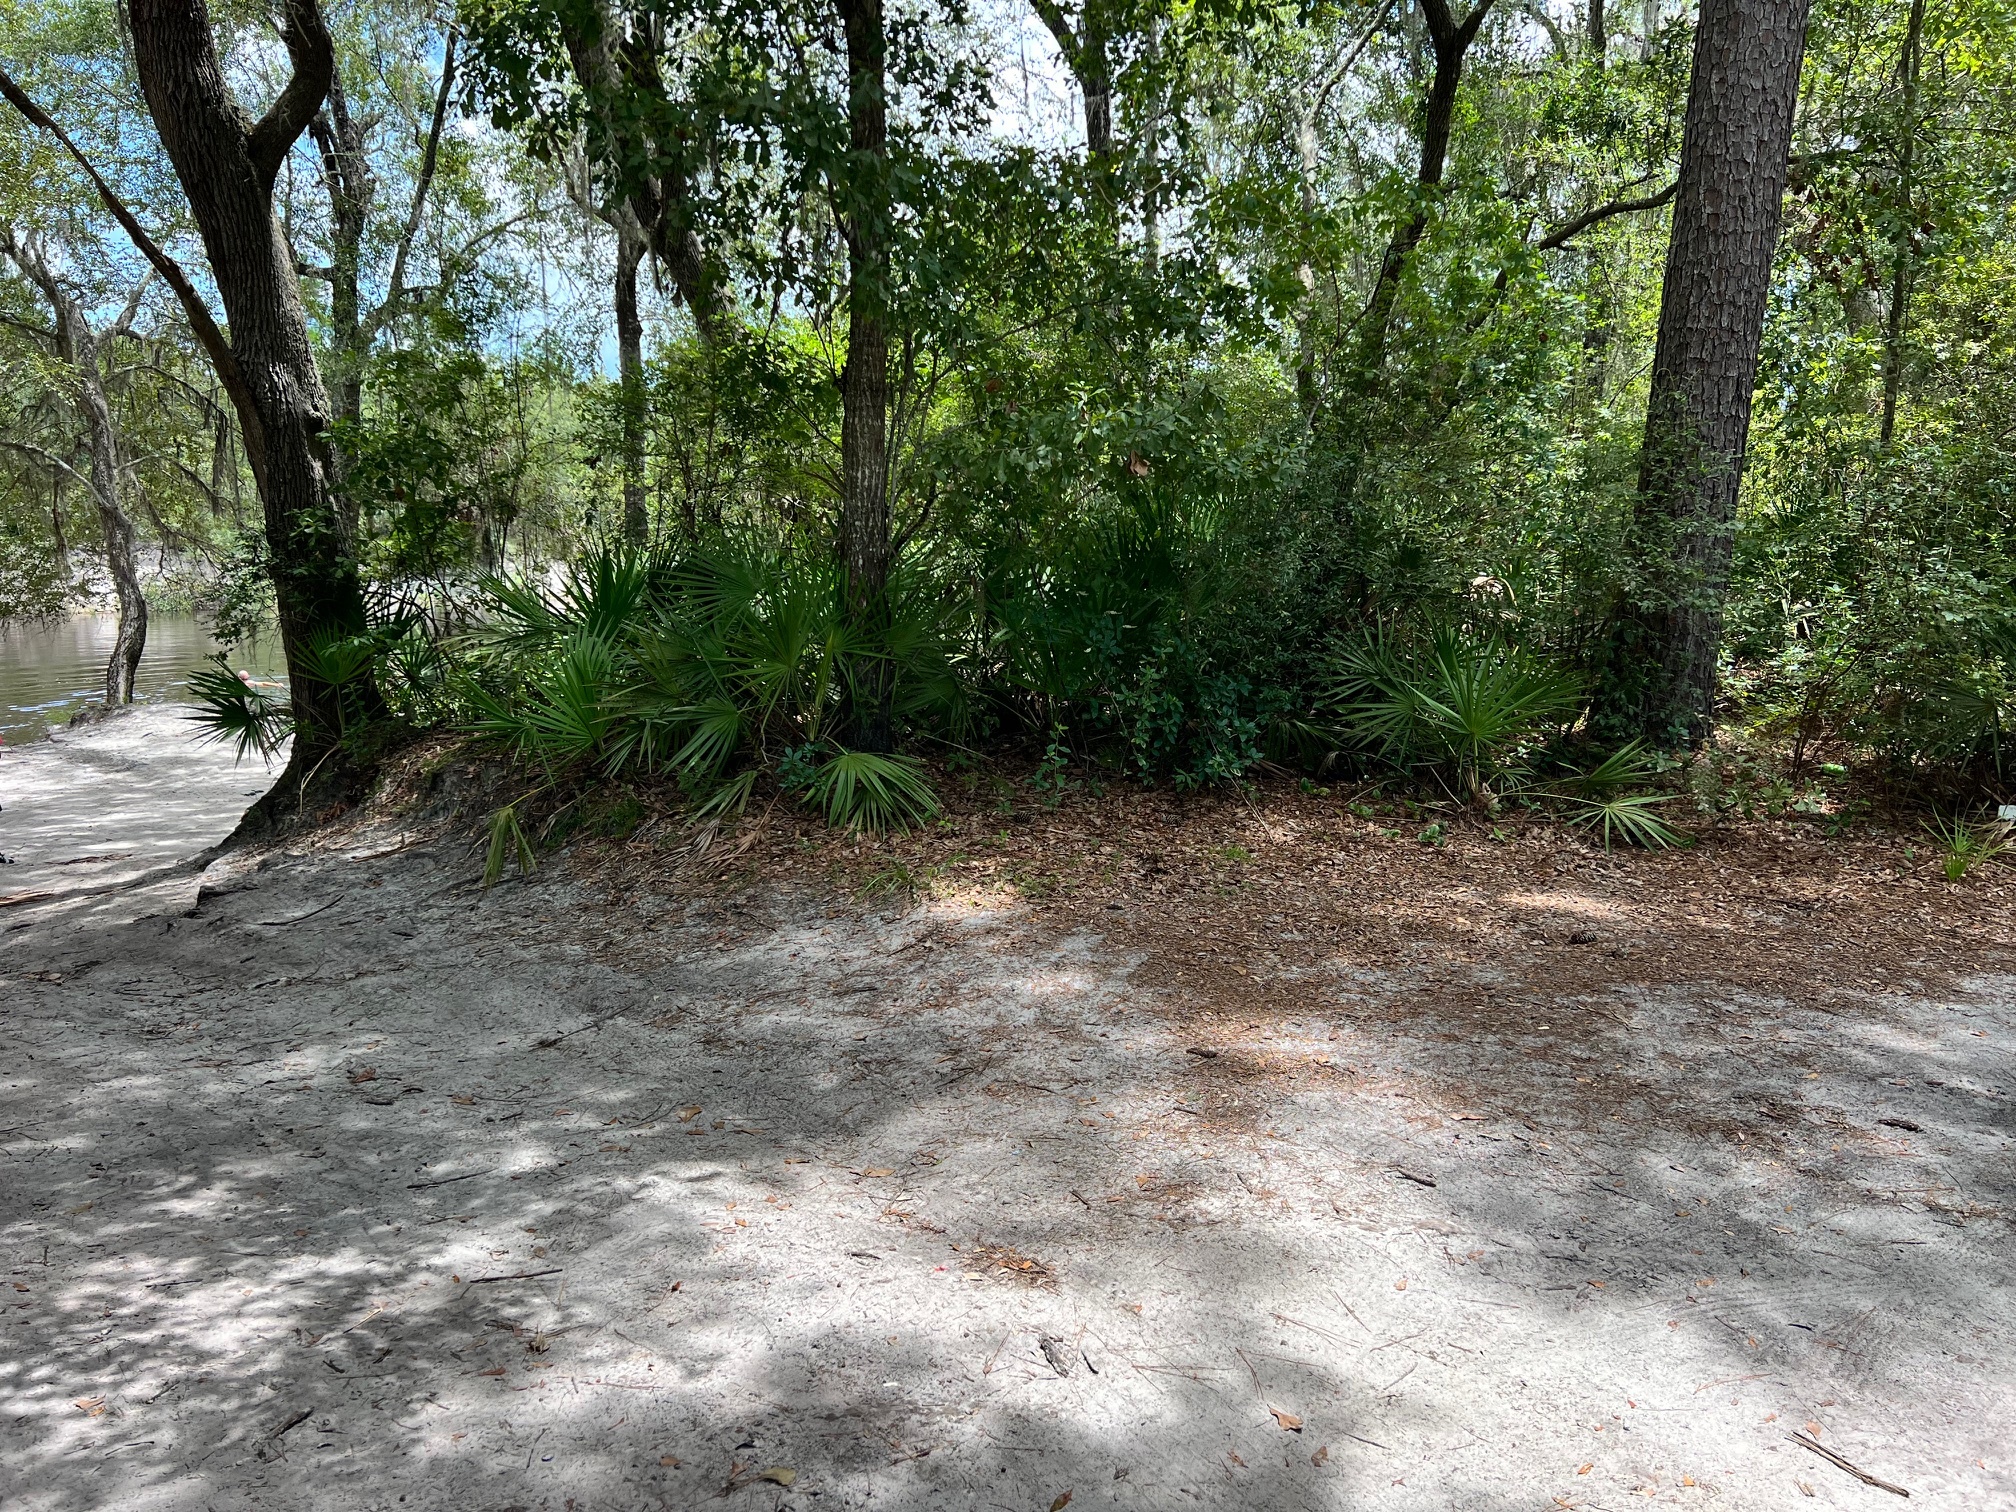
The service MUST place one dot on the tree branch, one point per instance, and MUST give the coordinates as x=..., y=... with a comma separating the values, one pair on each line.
x=1560, y=237
x=31, y=449
x=314, y=58
x=1052, y=16
x=1345, y=64
x=200, y=319
x=428, y=158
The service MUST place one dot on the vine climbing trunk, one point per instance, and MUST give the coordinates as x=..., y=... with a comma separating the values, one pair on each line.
x=865, y=544
x=1664, y=640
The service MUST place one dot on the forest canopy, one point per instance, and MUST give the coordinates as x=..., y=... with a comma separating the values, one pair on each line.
x=789, y=396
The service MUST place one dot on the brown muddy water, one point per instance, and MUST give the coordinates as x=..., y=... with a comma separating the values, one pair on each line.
x=49, y=672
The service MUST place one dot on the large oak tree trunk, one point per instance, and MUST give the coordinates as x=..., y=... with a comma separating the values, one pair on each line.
x=864, y=382
x=228, y=171
x=1659, y=680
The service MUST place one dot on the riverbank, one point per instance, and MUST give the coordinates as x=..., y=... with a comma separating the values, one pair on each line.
x=1217, y=1153
x=49, y=672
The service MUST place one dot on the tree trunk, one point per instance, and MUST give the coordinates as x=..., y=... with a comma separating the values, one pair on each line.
x=81, y=349
x=1900, y=273
x=1599, y=37
x=228, y=172
x=106, y=468
x=630, y=250
x=612, y=70
x=1086, y=51
x=346, y=175
x=864, y=382
x=1659, y=681
x=1451, y=40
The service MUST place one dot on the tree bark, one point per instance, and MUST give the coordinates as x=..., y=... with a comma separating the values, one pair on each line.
x=347, y=179
x=864, y=381
x=107, y=467
x=630, y=250
x=81, y=349
x=352, y=189
x=1309, y=155
x=1086, y=49
x=1451, y=40
x=1900, y=272
x=227, y=172
x=1599, y=36
x=1665, y=638
x=615, y=71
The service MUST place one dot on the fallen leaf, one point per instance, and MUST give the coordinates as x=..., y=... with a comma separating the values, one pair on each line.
x=369, y=1073
x=1584, y=1469
x=461, y=1101
x=1142, y=1181
x=495, y=1370
x=878, y=1171
x=1232, y=1456
x=1401, y=1284
x=687, y=1115
x=1686, y=1480
x=783, y=1475
x=95, y=1406
x=1597, y=1284
x=1321, y=1456
x=669, y=1461
x=1813, y=1429
x=1287, y=1420
x=1061, y=1503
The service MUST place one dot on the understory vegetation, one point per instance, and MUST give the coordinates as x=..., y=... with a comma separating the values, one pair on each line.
x=1277, y=402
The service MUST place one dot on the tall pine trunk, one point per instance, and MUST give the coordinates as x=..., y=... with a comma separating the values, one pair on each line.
x=864, y=383
x=1665, y=637
x=228, y=173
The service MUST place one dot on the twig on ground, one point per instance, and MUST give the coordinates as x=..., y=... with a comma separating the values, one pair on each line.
x=520, y=1276
x=1853, y=1469
x=421, y=1186
x=277, y=923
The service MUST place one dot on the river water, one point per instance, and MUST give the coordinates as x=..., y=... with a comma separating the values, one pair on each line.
x=49, y=672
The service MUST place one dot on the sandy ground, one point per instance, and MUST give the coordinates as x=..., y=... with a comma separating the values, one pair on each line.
x=342, y=1184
